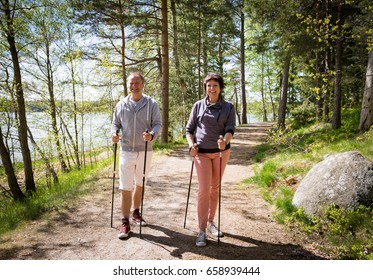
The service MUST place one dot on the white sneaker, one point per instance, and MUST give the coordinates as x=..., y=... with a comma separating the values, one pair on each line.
x=214, y=230
x=201, y=239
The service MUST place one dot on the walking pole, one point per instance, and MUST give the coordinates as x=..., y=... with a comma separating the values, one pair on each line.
x=112, y=193
x=143, y=183
x=190, y=183
x=220, y=155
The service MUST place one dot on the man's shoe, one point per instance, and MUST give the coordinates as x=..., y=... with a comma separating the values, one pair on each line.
x=201, y=239
x=136, y=218
x=124, y=229
x=214, y=230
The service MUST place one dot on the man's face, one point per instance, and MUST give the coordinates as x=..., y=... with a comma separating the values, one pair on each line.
x=135, y=85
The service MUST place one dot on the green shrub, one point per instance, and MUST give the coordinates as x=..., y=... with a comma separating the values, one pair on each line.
x=303, y=114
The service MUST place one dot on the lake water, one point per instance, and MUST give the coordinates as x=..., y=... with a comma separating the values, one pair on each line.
x=95, y=127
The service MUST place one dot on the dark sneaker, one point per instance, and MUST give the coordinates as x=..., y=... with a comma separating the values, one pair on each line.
x=124, y=229
x=212, y=228
x=201, y=239
x=136, y=218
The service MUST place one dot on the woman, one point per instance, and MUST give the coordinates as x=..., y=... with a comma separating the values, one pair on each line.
x=210, y=118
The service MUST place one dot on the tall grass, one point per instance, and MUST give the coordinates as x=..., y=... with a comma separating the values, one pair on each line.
x=286, y=159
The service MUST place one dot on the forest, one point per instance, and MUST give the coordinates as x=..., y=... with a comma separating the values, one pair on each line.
x=290, y=62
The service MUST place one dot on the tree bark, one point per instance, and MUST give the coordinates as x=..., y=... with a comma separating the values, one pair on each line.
x=337, y=100
x=165, y=74
x=182, y=83
x=15, y=190
x=326, y=89
x=52, y=105
x=123, y=51
x=366, y=115
x=284, y=93
x=22, y=128
x=242, y=65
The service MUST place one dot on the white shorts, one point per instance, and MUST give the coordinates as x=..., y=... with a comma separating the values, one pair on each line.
x=131, y=168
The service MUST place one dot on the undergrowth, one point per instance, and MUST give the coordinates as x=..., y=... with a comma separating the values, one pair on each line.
x=285, y=159
x=15, y=213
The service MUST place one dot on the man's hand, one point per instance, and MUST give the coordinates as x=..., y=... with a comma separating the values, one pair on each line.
x=115, y=137
x=148, y=136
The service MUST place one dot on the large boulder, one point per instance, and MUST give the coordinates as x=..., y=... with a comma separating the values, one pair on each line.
x=345, y=180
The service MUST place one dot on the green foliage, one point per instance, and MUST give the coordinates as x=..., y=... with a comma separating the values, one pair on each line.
x=283, y=202
x=347, y=232
x=303, y=114
x=264, y=175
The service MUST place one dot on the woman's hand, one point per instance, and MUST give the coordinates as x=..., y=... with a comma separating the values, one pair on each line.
x=222, y=143
x=193, y=151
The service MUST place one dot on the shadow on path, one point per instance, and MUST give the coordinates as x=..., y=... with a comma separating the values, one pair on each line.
x=248, y=248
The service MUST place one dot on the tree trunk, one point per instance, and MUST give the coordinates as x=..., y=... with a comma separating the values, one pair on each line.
x=182, y=84
x=366, y=115
x=284, y=93
x=326, y=89
x=123, y=50
x=16, y=191
x=75, y=142
x=242, y=65
x=52, y=105
x=265, y=119
x=199, y=47
x=236, y=105
x=123, y=61
x=337, y=100
x=165, y=74
x=220, y=61
x=22, y=128
x=318, y=63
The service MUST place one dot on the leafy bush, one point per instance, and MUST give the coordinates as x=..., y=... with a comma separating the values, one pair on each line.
x=347, y=233
x=303, y=114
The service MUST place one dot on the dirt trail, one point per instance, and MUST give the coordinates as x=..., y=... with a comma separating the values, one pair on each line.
x=82, y=230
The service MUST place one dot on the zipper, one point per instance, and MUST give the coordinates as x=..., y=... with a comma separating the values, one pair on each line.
x=135, y=121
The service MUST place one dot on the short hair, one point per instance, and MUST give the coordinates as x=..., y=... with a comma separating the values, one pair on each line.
x=215, y=77
x=137, y=74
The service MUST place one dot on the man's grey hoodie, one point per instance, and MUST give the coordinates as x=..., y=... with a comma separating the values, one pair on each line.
x=132, y=121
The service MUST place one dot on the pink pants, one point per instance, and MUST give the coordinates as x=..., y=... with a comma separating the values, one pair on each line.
x=208, y=172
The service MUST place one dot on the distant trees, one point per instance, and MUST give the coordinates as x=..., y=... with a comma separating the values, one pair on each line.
x=327, y=41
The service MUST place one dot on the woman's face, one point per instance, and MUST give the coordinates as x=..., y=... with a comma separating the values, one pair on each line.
x=213, y=90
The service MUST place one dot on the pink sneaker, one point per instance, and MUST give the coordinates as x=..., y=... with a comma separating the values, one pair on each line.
x=124, y=229
x=136, y=218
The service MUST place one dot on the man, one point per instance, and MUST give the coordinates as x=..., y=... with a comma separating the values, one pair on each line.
x=137, y=119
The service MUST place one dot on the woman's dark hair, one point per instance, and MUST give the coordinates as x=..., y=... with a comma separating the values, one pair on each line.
x=215, y=77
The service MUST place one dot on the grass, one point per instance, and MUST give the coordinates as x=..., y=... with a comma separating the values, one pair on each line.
x=286, y=159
